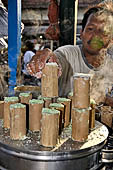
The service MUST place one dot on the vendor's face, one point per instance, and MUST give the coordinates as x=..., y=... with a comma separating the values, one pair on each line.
x=94, y=37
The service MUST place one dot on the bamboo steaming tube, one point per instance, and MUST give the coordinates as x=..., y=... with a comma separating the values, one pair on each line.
x=49, y=80
x=24, y=99
x=70, y=96
x=47, y=101
x=81, y=90
x=60, y=107
x=17, y=121
x=66, y=102
x=35, y=114
x=92, y=114
x=7, y=102
x=80, y=124
x=49, y=127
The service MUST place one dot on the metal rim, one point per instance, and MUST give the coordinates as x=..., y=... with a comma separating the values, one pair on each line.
x=49, y=155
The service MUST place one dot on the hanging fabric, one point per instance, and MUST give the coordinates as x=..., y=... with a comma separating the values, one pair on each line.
x=53, y=32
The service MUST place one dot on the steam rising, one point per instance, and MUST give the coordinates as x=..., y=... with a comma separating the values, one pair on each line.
x=102, y=80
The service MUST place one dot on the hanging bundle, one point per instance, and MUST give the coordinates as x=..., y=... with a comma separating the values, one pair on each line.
x=53, y=32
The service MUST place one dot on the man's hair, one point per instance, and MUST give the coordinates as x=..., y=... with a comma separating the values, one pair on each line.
x=105, y=8
x=86, y=16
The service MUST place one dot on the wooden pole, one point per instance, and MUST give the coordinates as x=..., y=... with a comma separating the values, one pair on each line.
x=19, y=68
x=75, y=23
x=35, y=114
x=17, y=121
x=49, y=127
x=7, y=102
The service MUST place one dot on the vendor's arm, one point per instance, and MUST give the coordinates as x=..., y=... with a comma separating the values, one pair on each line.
x=38, y=61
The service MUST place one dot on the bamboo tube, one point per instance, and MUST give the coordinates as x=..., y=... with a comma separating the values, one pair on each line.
x=7, y=102
x=35, y=114
x=1, y=109
x=47, y=101
x=49, y=80
x=54, y=99
x=80, y=124
x=49, y=127
x=60, y=107
x=107, y=116
x=81, y=91
x=70, y=96
x=92, y=114
x=17, y=121
x=24, y=99
x=66, y=102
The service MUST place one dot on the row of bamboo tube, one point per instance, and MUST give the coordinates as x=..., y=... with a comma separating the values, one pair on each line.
x=49, y=120
x=55, y=116
x=22, y=114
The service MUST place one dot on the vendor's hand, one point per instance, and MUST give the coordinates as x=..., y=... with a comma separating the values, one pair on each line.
x=39, y=60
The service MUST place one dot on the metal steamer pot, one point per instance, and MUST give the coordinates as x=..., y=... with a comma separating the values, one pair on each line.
x=86, y=159
x=26, y=158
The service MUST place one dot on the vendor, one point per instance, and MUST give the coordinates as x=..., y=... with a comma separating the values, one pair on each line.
x=28, y=56
x=96, y=36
